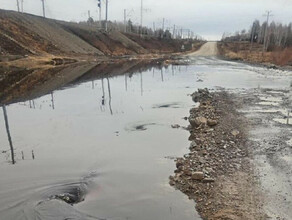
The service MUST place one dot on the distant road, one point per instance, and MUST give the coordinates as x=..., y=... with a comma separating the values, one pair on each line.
x=208, y=49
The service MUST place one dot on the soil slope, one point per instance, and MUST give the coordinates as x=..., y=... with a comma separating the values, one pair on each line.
x=25, y=34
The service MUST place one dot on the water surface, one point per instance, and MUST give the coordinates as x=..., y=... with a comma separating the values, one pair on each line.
x=111, y=138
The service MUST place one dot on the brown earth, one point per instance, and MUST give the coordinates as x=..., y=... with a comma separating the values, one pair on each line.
x=254, y=53
x=25, y=36
x=217, y=173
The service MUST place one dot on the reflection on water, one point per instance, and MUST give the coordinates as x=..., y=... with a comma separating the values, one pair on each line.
x=52, y=98
x=8, y=134
x=114, y=120
x=110, y=96
x=42, y=81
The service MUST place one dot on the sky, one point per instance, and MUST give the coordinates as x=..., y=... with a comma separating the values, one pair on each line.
x=207, y=18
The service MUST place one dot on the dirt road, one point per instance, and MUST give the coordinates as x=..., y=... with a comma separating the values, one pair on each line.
x=208, y=49
x=244, y=154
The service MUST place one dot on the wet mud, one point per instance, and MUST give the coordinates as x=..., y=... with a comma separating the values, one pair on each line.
x=270, y=135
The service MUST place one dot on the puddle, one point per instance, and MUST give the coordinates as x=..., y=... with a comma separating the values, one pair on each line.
x=275, y=92
x=271, y=99
x=263, y=111
x=71, y=126
x=268, y=103
x=287, y=159
x=283, y=121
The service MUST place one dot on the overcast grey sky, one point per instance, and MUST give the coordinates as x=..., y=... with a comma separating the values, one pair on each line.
x=208, y=18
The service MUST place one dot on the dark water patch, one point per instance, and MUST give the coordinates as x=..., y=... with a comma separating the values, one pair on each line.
x=142, y=127
x=55, y=202
x=168, y=105
x=72, y=193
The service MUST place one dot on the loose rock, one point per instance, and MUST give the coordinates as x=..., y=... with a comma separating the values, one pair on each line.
x=198, y=176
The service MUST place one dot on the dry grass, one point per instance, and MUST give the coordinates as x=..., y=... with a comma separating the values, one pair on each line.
x=283, y=57
x=244, y=51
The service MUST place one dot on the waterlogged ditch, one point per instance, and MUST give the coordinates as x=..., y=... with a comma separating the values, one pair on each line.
x=99, y=143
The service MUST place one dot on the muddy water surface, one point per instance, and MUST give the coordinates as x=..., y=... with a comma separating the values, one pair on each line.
x=108, y=145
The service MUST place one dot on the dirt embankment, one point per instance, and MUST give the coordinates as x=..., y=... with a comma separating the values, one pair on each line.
x=244, y=51
x=24, y=35
x=217, y=172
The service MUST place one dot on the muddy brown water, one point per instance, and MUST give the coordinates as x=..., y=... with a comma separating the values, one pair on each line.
x=108, y=145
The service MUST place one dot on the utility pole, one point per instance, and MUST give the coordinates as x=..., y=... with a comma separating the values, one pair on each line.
x=173, y=32
x=266, y=30
x=17, y=2
x=125, y=19
x=163, y=21
x=44, y=12
x=89, y=14
x=141, y=18
x=99, y=9
x=22, y=6
x=106, y=16
x=252, y=36
x=181, y=31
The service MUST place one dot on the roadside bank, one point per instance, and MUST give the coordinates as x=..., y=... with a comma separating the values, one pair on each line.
x=253, y=54
x=31, y=41
x=217, y=173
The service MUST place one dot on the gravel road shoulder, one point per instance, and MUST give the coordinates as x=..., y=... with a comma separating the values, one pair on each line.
x=218, y=173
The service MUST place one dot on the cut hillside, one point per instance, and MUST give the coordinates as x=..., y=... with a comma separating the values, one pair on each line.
x=29, y=35
x=110, y=43
x=156, y=45
x=39, y=35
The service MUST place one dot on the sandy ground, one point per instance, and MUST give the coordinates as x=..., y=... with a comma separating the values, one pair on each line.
x=208, y=49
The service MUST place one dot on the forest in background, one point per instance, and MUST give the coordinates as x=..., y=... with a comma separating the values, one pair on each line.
x=273, y=37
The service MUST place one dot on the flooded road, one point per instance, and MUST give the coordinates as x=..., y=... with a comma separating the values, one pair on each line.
x=107, y=144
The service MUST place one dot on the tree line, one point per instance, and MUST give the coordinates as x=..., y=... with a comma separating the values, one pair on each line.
x=272, y=36
x=130, y=27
